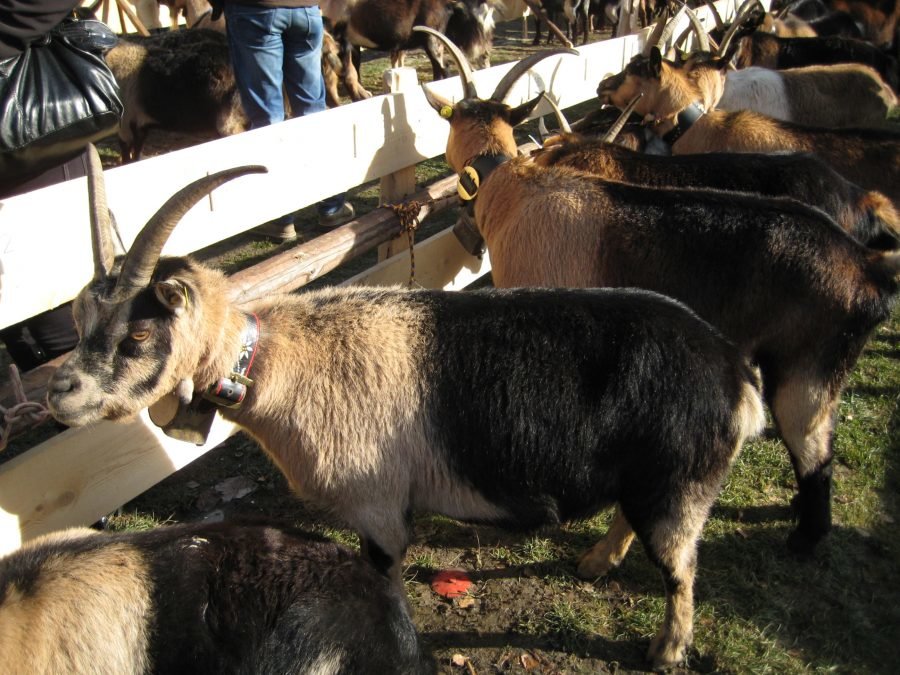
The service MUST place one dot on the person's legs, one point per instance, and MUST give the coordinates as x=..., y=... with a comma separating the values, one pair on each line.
x=306, y=90
x=255, y=40
x=257, y=54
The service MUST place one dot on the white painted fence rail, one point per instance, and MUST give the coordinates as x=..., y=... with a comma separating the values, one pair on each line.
x=45, y=255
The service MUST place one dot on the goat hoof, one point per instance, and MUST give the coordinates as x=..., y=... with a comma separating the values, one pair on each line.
x=802, y=544
x=591, y=565
x=664, y=654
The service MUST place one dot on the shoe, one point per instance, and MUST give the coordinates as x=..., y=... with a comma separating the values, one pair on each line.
x=276, y=230
x=344, y=214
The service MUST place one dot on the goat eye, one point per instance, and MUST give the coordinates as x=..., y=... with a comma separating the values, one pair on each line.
x=139, y=335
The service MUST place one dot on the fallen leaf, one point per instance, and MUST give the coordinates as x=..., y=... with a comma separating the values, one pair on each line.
x=465, y=602
x=458, y=660
x=528, y=661
x=236, y=487
x=451, y=583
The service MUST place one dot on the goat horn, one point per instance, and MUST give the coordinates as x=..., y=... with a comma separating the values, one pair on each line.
x=101, y=225
x=561, y=118
x=614, y=130
x=140, y=261
x=742, y=13
x=720, y=25
x=658, y=28
x=462, y=63
x=697, y=27
x=670, y=28
x=522, y=67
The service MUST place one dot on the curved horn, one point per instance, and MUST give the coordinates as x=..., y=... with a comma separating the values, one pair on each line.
x=697, y=27
x=101, y=224
x=560, y=117
x=720, y=25
x=614, y=130
x=670, y=28
x=653, y=38
x=742, y=13
x=462, y=63
x=522, y=67
x=141, y=260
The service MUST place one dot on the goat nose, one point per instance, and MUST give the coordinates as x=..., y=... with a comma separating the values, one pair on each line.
x=62, y=383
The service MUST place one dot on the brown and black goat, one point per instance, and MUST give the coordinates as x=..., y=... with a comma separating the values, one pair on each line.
x=215, y=599
x=770, y=51
x=518, y=407
x=387, y=26
x=179, y=81
x=787, y=284
x=868, y=216
x=674, y=104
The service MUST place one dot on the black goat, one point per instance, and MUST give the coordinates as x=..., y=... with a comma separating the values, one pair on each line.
x=208, y=598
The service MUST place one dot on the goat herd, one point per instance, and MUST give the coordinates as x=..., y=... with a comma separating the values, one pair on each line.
x=710, y=282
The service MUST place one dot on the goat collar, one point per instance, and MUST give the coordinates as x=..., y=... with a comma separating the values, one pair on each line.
x=684, y=120
x=229, y=391
x=473, y=175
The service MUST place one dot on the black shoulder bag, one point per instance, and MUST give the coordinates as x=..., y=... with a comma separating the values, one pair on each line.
x=55, y=98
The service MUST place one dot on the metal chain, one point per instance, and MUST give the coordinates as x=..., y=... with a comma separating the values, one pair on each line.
x=24, y=414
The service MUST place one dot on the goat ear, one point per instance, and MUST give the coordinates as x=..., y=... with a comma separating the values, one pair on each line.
x=443, y=107
x=655, y=62
x=173, y=294
x=520, y=114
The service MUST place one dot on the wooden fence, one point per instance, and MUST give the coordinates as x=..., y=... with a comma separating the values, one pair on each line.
x=45, y=253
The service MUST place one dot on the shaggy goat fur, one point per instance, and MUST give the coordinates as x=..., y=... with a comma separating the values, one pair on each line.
x=206, y=598
x=178, y=81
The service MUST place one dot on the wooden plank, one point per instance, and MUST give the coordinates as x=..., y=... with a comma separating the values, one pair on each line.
x=441, y=262
x=81, y=475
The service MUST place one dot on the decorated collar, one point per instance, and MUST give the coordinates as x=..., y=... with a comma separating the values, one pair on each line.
x=473, y=175
x=684, y=121
x=229, y=391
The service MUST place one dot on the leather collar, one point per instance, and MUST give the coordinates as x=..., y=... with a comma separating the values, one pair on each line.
x=684, y=121
x=229, y=391
x=473, y=175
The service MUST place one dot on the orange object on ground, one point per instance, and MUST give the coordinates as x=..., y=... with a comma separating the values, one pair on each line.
x=451, y=583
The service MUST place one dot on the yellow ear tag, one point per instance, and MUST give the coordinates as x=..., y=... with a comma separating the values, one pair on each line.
x=446, y=112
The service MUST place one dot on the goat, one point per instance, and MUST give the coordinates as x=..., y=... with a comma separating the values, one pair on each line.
x=387, y=26
x=517, y=407
x=179, y=81
x=868, y=157
x=203, y=598
x=812, y=96
x=794, y=291
x=770, y=51
x=867, y=216
x=878, y=19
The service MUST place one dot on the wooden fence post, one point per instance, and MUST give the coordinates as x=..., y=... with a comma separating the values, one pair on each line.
x=400, y=184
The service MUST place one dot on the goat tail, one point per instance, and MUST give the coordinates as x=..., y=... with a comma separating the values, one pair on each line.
x=890, y=261
x=750, y=415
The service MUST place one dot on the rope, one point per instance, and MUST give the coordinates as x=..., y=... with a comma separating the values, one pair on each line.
x=408, y=215
x=24, y=414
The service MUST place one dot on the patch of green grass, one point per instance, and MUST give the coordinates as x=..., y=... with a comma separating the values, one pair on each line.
x=135, y=521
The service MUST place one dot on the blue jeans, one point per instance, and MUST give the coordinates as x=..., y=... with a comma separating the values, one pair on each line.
x=275, y=49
